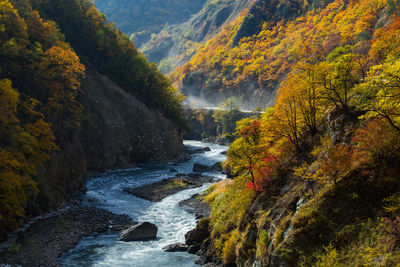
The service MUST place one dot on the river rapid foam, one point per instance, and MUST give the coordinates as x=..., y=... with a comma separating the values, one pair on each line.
x=172, y=221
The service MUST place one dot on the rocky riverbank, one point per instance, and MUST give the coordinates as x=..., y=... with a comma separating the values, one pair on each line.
x=48, y=238
x=198, y=241
x=195, y=237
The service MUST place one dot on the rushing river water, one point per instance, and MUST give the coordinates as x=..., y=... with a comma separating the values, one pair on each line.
x=172, y=221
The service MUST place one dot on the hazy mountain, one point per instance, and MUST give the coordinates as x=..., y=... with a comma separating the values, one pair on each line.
x=145, y=17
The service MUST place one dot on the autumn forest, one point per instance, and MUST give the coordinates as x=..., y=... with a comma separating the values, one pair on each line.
x=313, y=170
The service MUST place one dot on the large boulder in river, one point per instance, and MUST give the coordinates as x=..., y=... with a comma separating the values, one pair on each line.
x=141, y=231
x=197, y=167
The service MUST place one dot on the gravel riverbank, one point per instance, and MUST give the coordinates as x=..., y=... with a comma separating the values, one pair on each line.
x=48, y=238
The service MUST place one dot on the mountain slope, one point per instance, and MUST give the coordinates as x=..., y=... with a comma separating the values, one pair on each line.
x=316, y=178
x=175, y=44
x=142, y=18
x=128, y=131
x=60, y=114
x=253, y=68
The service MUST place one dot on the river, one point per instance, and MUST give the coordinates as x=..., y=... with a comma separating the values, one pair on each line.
x=172, y=221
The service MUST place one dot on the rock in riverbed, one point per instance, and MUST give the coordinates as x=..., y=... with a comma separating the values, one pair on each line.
x=217, y=167
x=159, y=190
x=196, y=206
x=197, y=167
x=193, y=249
x=139, y=232
x=192, y=151
x=176, y=247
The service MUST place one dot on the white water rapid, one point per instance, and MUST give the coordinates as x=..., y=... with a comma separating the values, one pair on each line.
x=172, y=221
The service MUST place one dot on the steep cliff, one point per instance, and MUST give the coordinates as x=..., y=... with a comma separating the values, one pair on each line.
x=118, y=130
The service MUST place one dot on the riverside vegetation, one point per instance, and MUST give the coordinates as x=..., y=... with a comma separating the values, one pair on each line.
x=317, y=175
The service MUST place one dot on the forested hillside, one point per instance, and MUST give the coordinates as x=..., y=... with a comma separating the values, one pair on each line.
x=251, y=65
x=139, y=19
x=316, y=178
x=175, y=44
x=54, y=59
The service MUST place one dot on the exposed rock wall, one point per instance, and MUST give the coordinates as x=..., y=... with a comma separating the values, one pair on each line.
x=118, y=130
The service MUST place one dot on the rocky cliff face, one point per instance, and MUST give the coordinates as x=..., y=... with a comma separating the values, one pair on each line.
x=176, y=44
x=118, y=130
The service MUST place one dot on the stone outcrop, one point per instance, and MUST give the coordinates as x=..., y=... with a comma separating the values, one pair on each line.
x=198, y=234
x=141, y=231
x=341, y=123
x=157, y=191
x=196, y=205
x=119, y=131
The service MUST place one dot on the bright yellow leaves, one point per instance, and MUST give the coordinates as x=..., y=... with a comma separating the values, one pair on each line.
x=9, y=100
x=60, y=73
x=379, y=94
x=35, y=57
x=246, y=151
x=269, y=56
x=299, y=105
x=24, y=147
x=63, y=66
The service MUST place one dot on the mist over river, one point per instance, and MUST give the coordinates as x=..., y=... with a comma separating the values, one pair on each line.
x=172, y=221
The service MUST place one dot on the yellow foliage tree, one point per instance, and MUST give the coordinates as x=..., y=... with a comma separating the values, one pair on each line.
x=379, y=94
x=60, y=73
x=23, y=150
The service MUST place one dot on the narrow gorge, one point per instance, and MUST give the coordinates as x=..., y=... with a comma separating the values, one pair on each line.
x=211, y=133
